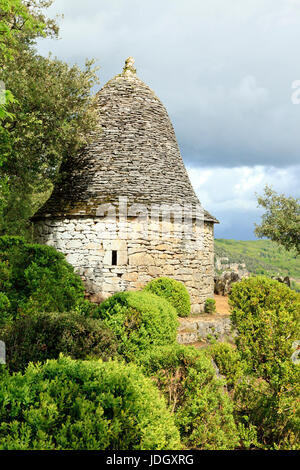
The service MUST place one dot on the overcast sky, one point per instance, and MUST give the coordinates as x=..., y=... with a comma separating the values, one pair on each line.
x=224, y=70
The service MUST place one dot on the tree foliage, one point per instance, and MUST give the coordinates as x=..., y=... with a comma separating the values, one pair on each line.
x=50, y=117
x=22, y=22
x=281, y=221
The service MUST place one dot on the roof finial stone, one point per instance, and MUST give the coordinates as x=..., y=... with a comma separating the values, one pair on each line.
x=129, y=68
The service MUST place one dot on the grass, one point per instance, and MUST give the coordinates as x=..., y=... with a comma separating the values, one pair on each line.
x=260, y=257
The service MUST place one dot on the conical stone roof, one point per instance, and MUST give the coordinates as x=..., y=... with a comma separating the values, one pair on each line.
x=134, y=154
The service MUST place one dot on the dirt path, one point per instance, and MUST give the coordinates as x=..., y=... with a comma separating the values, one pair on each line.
x=222, y=305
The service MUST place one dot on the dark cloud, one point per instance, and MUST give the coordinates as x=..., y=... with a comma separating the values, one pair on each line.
x=224, y=71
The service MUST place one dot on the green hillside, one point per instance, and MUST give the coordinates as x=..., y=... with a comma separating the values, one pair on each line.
x=260, y=257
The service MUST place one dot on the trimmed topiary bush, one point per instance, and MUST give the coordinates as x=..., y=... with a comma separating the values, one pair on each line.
x=173, y=291
x=203, y=410
x=35, y=278
x=139, y=320
x=84, y=405
x=46, y=335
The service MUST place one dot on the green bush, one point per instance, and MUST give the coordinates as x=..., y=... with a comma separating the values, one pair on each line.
x=203, y=410
x=210, y=306
x=5, y=306
x=83, y=405
x=46, y=335
x=275, y=416
x=265, y=314
x=173, y=291
x=139, y=320
x=229, y=362
x=35, y=277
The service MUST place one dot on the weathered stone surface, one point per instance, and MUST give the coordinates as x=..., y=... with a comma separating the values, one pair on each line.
x=193, y=330
x=134, y=156
x=94, y=264
x=141, y=259
x=284, y=280
x=223, y=283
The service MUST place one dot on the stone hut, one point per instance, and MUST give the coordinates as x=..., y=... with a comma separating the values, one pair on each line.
x=124, y=211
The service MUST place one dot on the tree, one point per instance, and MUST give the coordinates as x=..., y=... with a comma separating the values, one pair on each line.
x=54, y=115
x=51, y=116
x=281, y=222
x=17, y=21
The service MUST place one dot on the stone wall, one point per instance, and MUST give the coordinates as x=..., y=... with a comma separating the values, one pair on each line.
x=133, y=153
x=89, y=243
x=193, y=330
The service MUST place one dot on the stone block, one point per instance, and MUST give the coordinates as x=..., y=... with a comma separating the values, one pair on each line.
x=141, y=259
x=122, y=258
x=74, y=244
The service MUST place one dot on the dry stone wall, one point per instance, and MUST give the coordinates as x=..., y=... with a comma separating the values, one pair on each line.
x=89, y=243
x=208, y=326
x=134, y=155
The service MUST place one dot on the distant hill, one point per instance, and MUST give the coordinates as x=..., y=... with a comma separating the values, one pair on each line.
x=260, y=257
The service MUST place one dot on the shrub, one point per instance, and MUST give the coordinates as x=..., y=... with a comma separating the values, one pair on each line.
x=173, y=291
x=210, y=306
x=4, y=309
x=229, y=362
x=265, y=314
x=139, y=320
x=83, y=405
x=46, y=335
x=35, y=277
x=203, y=411
x=275, y=416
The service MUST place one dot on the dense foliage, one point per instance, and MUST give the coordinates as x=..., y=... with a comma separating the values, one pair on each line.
x=22, y=22
x=86, y=405
x=35, y=278
x=139, y=320
x=17, y=21
x=229, y=362
x=44, y=336
x=203, y=411
x=49, y=118
x=265, y=314
x=281, y=221
x=173, y=291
